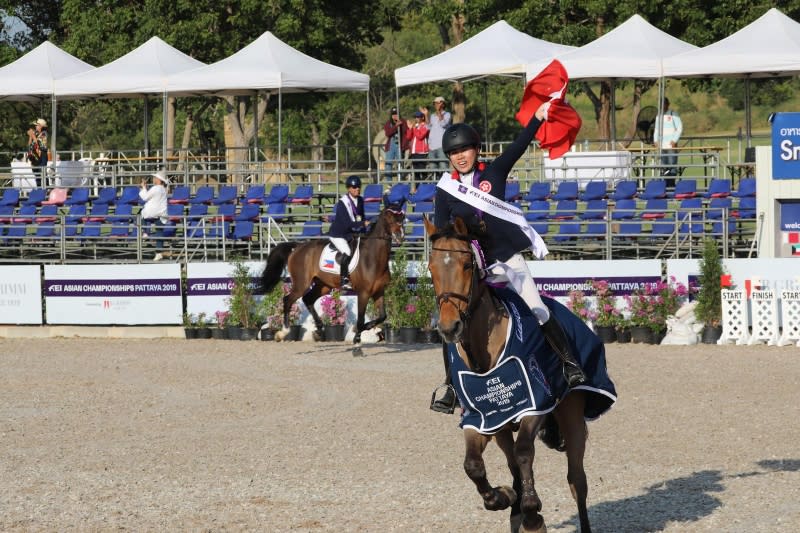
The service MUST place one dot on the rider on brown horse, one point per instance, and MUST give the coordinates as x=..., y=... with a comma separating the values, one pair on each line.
x=348, y=219
x=507, y=240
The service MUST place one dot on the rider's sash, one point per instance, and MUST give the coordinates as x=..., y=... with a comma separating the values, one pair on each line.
x=495, y=207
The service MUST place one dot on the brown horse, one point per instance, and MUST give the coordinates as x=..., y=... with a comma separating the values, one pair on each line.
x=369, y=279
x=471, y=317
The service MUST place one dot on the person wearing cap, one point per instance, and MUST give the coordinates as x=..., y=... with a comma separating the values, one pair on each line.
x=474, y=192
x=154, y=212
x=348, y=219
x=396, y=144
x=37, y=148
x=437, y=123
x=418, y=142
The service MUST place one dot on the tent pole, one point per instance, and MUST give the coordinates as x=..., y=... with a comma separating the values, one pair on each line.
x=255, y=126
x=146, y=126
x=486, y=117
x=164, y=133
x=280, y=123
x=748, y=118
x=369, y=138
x=662, y=89
x=613, y=113
x=53, y=114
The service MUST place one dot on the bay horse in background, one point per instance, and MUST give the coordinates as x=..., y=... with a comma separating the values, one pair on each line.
x=476, y=324
x=369, y=279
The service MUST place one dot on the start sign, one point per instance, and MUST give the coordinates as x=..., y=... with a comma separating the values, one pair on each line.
x=786, y=146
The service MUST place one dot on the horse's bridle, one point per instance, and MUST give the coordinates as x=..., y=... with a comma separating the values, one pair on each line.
x=446, y=297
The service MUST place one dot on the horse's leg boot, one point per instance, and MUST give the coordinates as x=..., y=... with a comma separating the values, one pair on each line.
x=557, y=339
x=447, y=403
x=343, y=273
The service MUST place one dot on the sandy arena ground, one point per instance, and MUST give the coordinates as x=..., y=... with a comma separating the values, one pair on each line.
x=213, y=435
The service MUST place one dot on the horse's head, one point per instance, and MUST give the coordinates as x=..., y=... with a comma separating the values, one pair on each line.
x=391, y=221
x=454, y=273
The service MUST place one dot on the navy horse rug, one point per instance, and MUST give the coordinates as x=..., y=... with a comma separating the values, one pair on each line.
x=528, y=378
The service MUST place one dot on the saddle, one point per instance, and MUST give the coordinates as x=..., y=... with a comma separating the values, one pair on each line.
x=330, y=259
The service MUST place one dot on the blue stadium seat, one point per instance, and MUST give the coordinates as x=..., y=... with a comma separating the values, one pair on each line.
x=10, y=197
x=243, y=230
x=539, y=190
x=595, y=210
x=420, y=209
x=425, y=193
x=225, y=212
x=25, y=214
x=106, y=195
x=538, y=210
x=690, y=215
x=655, y=208
x=399, y=193
x=73, y=220
x=248, y=212
x=625, y=190
x=35, y=197
x=279, y=193
x=685, y=188
x=311, y=228
x=655, y=188
x=746, y=210
x=565, y=210
x=373, y=192
x=302, y=195
x=567, y=190
x=747, y=187
x=203, y=195
x=567, y=231
x=227, y=195
x=175, y=212
x=624, y=209
x=595, y=190
x=276, y=212
x=130, y=195
x=78, y=196
x=512, y=191
x=718, y=188
x=255, y=195
x=716, y=207
x=97, y=213
x=47, y=213
x=180, y=195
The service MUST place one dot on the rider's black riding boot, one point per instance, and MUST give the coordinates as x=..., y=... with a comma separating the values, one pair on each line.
x=343, y=273
x=447, y=403
x=557, y=339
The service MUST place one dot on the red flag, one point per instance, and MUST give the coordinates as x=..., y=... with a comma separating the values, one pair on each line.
x=725, y=280
x=557, y=134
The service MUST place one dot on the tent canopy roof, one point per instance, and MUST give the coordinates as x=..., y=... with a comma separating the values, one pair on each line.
x=32, y=76
x=768, y=46
x=499, y=49
x=143, y=70
x=266, y=63
x=633, y=50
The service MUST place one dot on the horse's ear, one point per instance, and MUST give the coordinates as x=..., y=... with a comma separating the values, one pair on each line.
x=460, y=226
x=430, y=229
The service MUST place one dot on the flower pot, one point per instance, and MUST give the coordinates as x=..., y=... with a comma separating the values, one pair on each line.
x=233, y=333
x=711, y=334
x=217, y=333
x=624, y=335
x=295, y=333
x=429, y=336
x=203, y=333
x=408, y=335
x=249, y=334
x=607, y=334
x=392, y=335
x=641, y=335
x=334, y=333
x=267, y=335
x=191, y=333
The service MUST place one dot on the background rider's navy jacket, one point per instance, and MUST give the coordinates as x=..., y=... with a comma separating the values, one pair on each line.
x=506, y=237
x=342, y=225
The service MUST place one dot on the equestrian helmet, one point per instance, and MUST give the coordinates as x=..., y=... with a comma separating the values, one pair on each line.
x=460, y=136
x=353, y=181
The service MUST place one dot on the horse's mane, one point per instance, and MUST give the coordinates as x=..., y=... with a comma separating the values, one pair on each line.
x=474, y=233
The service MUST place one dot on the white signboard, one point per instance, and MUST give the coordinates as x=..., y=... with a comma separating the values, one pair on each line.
x=20, y=294
x=113, y=294
x=208, y=286
x=770, y=273
x=588, y=166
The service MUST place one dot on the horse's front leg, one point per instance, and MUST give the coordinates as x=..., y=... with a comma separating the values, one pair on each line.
x=494, y=498
x=530, y=504
x=309, y=298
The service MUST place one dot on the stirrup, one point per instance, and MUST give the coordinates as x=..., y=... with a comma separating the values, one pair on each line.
x=574, y=375
x=440, y=406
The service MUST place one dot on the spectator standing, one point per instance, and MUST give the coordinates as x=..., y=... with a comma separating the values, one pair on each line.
x=395, y=130
x=154, y=211
x=418, y=139
x=437, y=122
x=37, y=149
x=668, y=130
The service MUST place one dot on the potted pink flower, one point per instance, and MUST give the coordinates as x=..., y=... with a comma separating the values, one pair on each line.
x=334, y=315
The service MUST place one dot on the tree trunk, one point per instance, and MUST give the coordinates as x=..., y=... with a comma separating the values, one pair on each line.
x=604, y=119
x=459, y=108
x=239, y=132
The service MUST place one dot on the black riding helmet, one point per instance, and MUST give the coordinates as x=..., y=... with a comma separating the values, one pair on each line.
x=459, y=136
x=353, y=181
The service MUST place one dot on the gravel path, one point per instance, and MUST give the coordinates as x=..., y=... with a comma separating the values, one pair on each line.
x=208, y=435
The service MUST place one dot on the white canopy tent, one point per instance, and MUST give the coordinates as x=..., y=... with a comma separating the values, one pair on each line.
x=268, y=63
x=142, y=71
x=633, y=50
x=767, y=47
x=32, y=77
x=500, y=49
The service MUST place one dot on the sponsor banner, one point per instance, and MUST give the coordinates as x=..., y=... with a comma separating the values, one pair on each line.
x=770, y=273
x=20, y=294
x=786, y=146
x=790, y=216
x=208, y=285
x=113, y=294
x=558, y=278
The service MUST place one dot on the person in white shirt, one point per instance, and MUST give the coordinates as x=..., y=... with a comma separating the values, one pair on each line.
x=154, y=211
x=437, y=123
x=667, y=133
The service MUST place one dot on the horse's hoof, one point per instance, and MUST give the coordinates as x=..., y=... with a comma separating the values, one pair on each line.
x=358, y=352
x=381, y=336
x=533, y=524
x=280, y=335
x=317, y=335
x=500, y=498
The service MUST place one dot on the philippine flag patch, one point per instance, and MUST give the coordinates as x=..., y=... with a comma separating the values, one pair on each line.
x=329, y=263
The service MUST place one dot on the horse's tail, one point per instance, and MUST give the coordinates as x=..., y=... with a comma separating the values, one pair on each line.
x=276, y=261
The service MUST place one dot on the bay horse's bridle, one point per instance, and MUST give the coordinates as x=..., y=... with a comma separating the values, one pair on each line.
x=447, y=296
